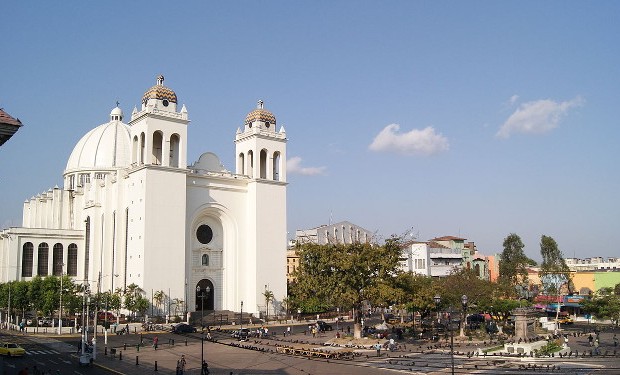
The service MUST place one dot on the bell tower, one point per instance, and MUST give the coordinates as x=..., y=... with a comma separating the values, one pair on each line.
x=157, y=191
x=261, y=156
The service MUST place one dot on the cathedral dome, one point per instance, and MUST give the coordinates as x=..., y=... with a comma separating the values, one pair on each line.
x=104, y=147
x=260, y=114
x=160, y=92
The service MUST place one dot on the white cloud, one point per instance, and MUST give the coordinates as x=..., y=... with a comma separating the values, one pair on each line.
x=293, y=166
x=513, y=99
x=537, y=117
x=415, y=142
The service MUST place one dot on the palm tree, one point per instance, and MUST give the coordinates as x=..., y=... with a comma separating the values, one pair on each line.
x=159, y=299
x=268, y=294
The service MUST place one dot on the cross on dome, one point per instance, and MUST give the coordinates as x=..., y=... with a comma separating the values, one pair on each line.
x=260, y=104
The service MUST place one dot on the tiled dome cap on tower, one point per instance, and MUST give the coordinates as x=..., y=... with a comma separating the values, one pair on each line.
x=159, y=91
x=260, y=114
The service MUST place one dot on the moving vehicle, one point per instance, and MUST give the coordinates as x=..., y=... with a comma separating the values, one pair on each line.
x=12, y=349
x=183, y=328
x=564, y=320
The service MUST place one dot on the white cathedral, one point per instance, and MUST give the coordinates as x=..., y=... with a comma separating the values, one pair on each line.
x=133, y=211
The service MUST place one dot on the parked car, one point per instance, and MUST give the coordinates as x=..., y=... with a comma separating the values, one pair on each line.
x=322, y=326
x=183, y=328
x=12, y=349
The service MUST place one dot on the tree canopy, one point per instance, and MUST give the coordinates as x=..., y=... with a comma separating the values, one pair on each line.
x=513, y=262
x=553, y=270
x=345, y=275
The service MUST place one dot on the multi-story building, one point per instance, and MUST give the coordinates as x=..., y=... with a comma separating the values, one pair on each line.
x=593, y=264
x=443, y=255
x=430, y=258
x=343, y=232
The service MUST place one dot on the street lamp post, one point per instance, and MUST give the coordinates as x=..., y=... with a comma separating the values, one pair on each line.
x=241, y=317
x=62, y=265
x=464, y=321
x=437, y=300
x=202, y=296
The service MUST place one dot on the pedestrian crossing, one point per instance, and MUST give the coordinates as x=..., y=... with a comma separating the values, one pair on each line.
x=42, y=352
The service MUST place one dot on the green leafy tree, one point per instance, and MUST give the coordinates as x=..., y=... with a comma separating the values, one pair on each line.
x=346, y=275
x=513, y=262
x=131, y=299
x=20, y=302
x=553, y=270
x=604, y=304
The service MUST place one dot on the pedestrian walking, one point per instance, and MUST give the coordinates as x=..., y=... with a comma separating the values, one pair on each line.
x=615, y=340
x=205, y=368
x=590, y=339
x=378, y=348
x=596, y=347
x=155, y=342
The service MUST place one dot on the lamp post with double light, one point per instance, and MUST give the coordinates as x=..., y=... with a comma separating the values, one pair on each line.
x=464, y=320
x=437, y=300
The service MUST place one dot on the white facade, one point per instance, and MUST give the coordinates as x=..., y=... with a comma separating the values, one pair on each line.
x=343, y=232
x=430, y=259
x=593, y=264
x=133, y=211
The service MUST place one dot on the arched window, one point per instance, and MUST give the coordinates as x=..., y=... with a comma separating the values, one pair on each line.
x=27, y=254
x=57, y=264
x=175, y=144
x=263, y=164
x=43, y=257
x=72, y=260
x=158, y=141
x=276, y=166
x=142, y=147
x=135, y=159
x=250, y=162
x=205, y=260
x=241, y=164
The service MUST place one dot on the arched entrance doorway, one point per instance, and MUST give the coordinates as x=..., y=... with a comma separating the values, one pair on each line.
x=204, y=295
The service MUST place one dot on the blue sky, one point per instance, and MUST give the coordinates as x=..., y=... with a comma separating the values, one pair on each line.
x=468, y=118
